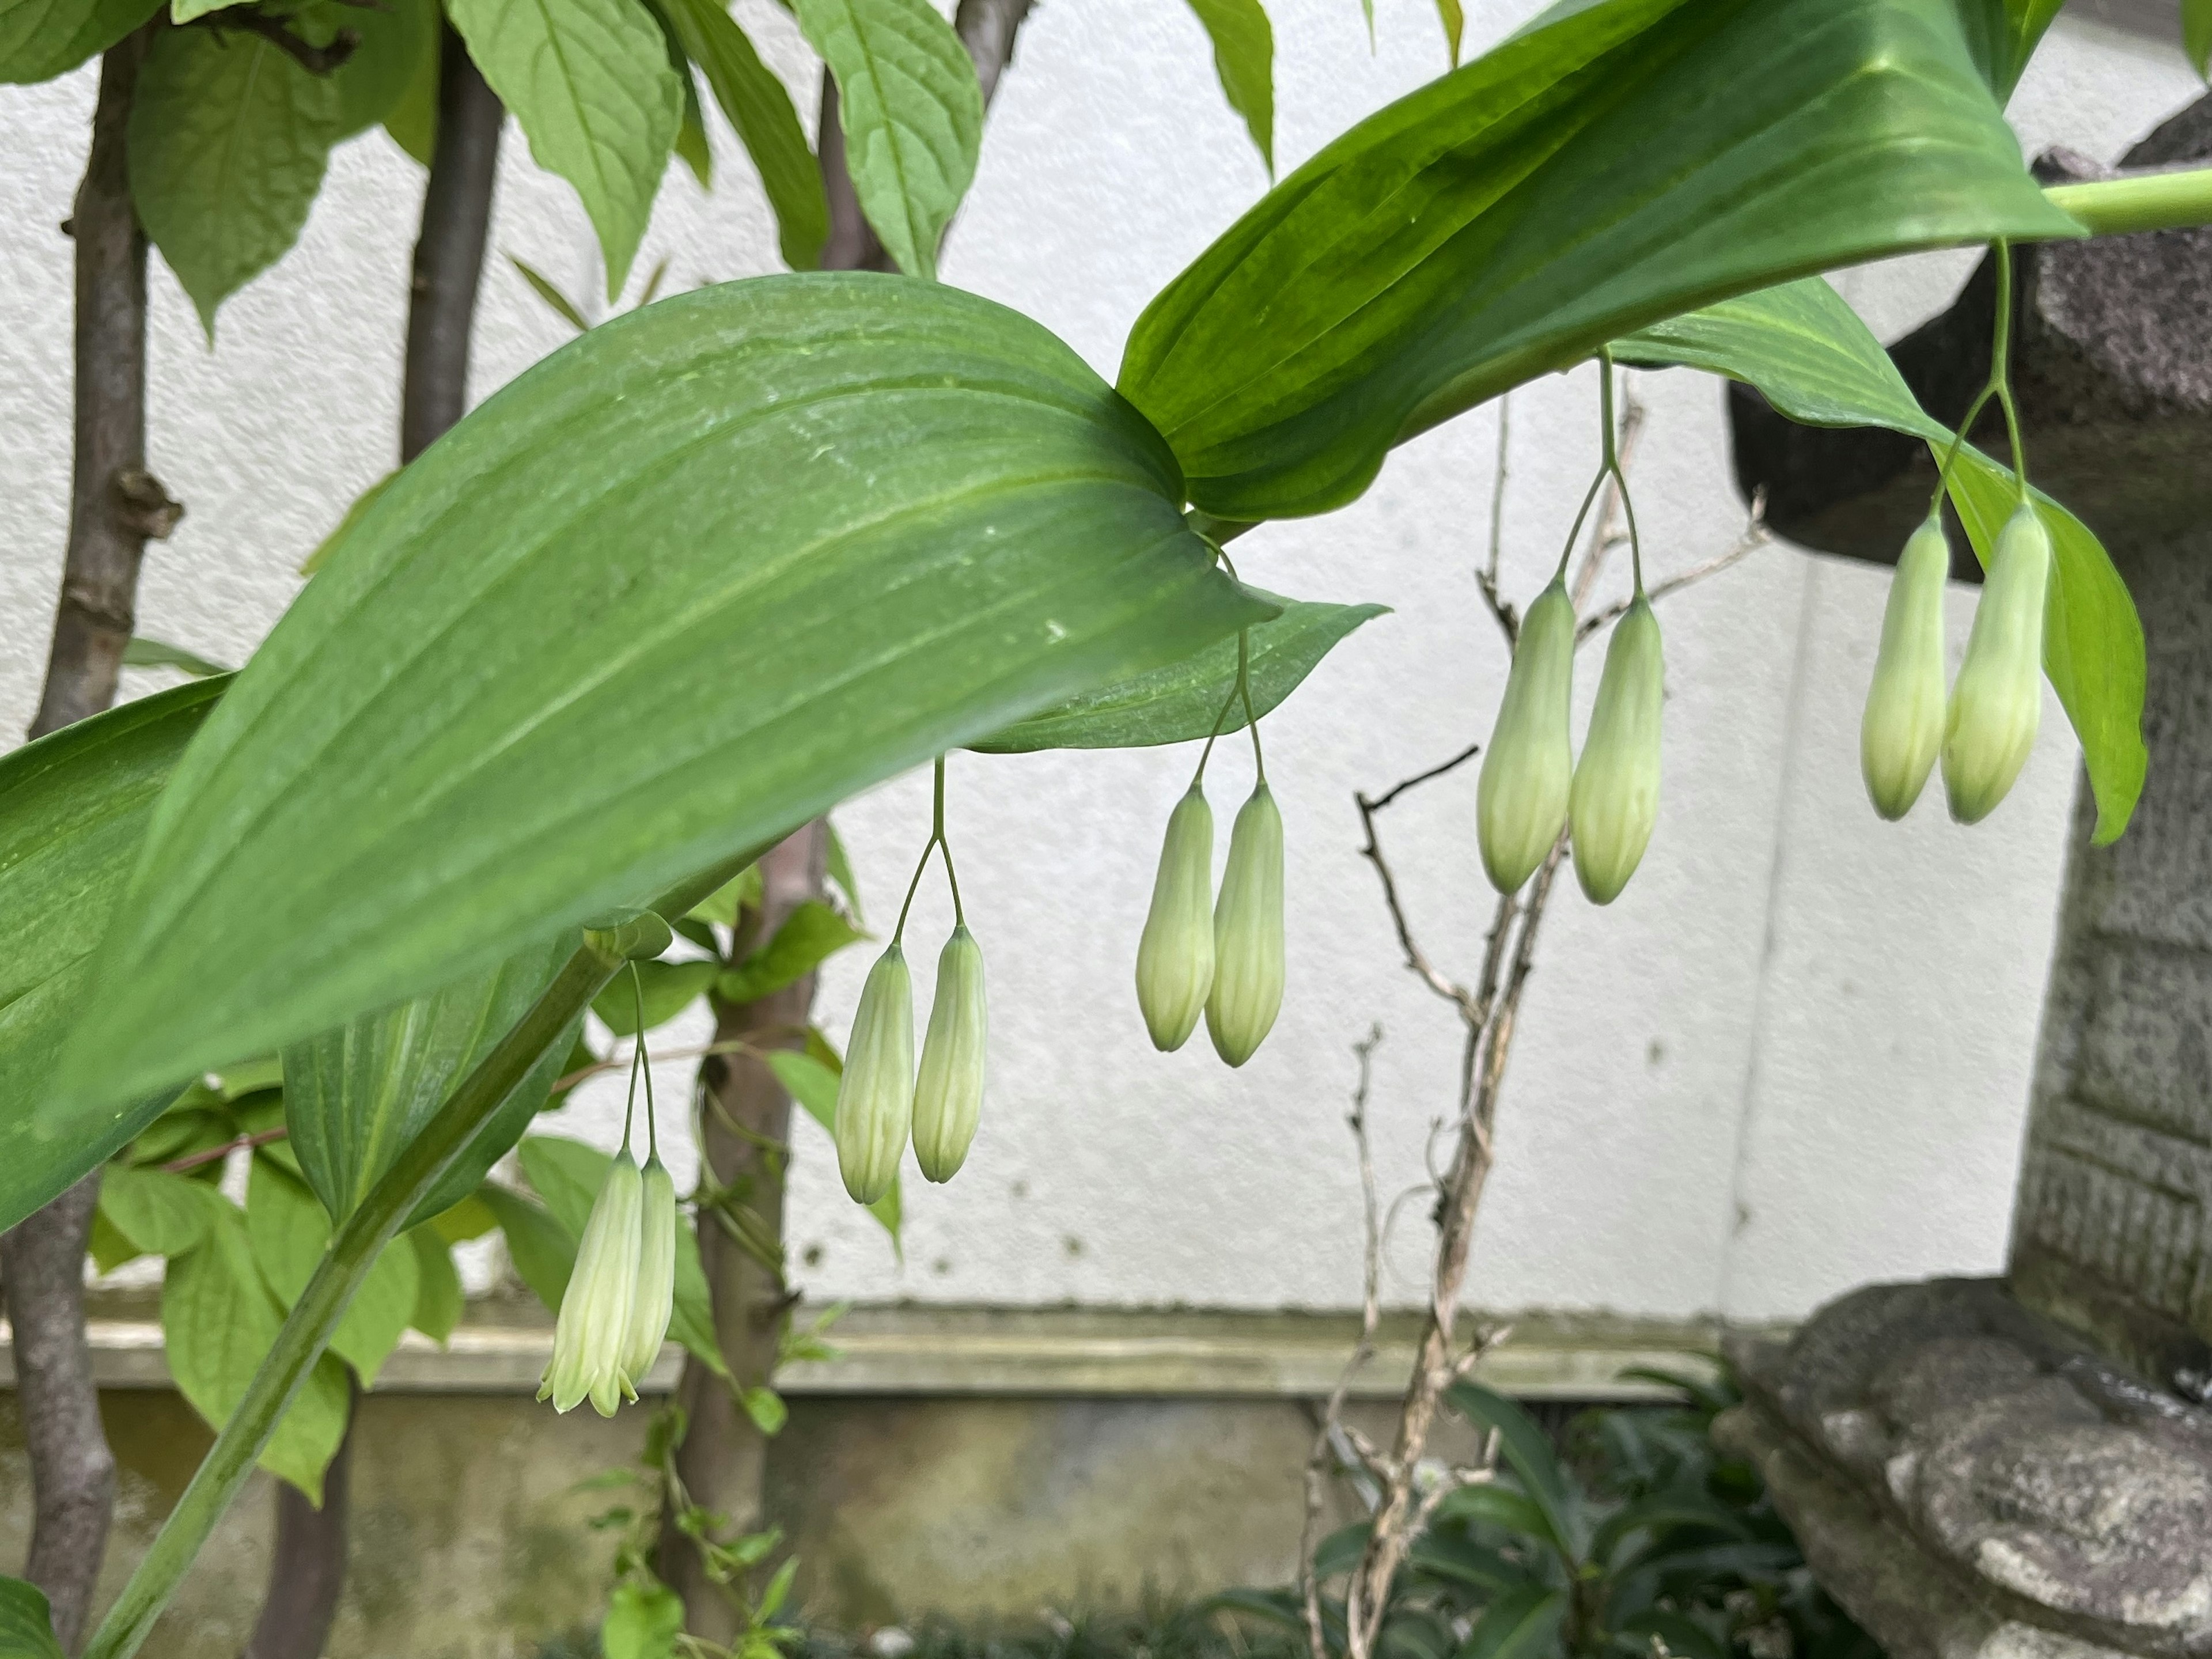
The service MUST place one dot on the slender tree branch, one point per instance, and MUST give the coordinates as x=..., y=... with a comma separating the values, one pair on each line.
x=306, y=1567
x=450, y=250
x=216, y=1154
x=1753, y=536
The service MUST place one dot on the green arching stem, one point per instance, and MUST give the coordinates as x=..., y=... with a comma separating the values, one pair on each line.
x=636, y=1052
x=1251, y=720
x=2147, y=201
x=1999, y=386
x=353, y=1251
x=936, y=842
x=1612, y=465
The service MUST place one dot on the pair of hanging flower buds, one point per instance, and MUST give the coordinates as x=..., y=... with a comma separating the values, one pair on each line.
x=1220, y=957
x=1986, y=729
x=614, y=1315
x=880, y=1099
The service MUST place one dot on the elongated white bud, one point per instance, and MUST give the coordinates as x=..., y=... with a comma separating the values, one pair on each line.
x=875, y=1095
x=948, y=1096
x=591, y=1337
x=1520, y=803
x=656, y=1273
x=1616, y=792
x=1175, y=957
x=1902, y=730
x=1247, y=933
x=1997, y=703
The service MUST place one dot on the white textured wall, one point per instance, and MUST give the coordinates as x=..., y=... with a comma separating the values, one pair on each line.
x=1795, y=1056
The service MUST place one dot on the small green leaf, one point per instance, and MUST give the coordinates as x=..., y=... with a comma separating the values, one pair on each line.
x=568, y=1175
x=395, y=37
x=287, y=1227
x=911, y=113
x=766, y=1408
x=813, y=1084
x=1454, y=18
x=109, y=1248
x=362, y=503
x=1522, y=1623
x=642, y=1622
x=412, y=121
x=228, y=140
x=439, y=1302
x=1244, y=59
x=380, y=1311
x=839, y=868
x=723, y=904
x=41, y=38
x=27, y=1623
x=1527, y=1452
x=754, y=101
x=691, y=146
x=591, y=84
x=1183, y=700
x=668, y=988
x=545, y=287
x=470, y=1219
x=2197, y=33
x=811, y=935
x=541, y=1250
x=143, y=652
x=160, y=1214
x=691, y=1322
x=778, y=1591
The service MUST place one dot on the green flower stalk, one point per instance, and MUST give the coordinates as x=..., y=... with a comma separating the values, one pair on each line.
x=656, y=1300
x=1175, y=956
x=1615, y=800
x=1247, y=933
x=1521, y=802
x=875, y=1095
x=1997, y=703
x=1902, y=731
x=591, y=1338
x=949, y=1098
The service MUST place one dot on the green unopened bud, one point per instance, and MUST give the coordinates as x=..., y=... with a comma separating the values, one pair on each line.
x=1247, y=933
x=1520, y=803
x=1997, y=703
x=1616, y=791
x=1175, y=957
x=591, y=1338
x=875, y=1095
x=656, y=1273
x=949, y=1098
x=1902, y=728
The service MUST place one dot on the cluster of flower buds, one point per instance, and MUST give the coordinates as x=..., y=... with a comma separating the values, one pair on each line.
x=1985, y=733
x=1532, y=787
x=880, y=1101
x=614, y=1315
x=1222, y=957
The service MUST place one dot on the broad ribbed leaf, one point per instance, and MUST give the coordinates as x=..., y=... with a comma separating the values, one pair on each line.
x=1183, y=700
x=73, y=813
x=1622, y=163
x=697, y=576
x=41, y=38
x=354, y=1098
x=1244, y=59
x=159, y=1213
x=590, y=83
x=760, y=109
x=289, y=1230
x=1522, y=1623
x=439, y=1302
x=912, y=114
x=27, y=1624
x=1812, y=358
x=228, y=140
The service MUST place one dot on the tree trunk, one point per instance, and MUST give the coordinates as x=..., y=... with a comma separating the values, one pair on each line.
x=307, y=1571
x=724, y=1453
x=115, y=505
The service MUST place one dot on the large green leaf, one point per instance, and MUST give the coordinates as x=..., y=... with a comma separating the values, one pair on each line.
x=814, y=1086
x=1244, y=59
x=228, y=141
x=810, y=936
x=1527, y=1450
x=356, y=1096
x=695, y=578
x=1521, y=1623
x=41, y=38
x=666, y=989
x=395, y=36
x=218, y=1322
x=760, y=109
x=27, y=1623
x=289, y=1230
x=160, y=1213
x=1814, y=360
x=1183, y=701
x=1622, y=163
x=540, y=1249
x=73, y=811
x=590, y=83
x=912, y=114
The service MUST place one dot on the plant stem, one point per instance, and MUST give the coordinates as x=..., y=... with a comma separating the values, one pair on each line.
x=351, y=1253
x=2177, y=200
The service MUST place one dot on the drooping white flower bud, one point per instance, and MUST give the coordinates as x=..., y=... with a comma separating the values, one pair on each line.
x=1521, y=802
x=948, y=1096
x=591, y=1337
x=1175, y=957
x=1247, y=933
x=1997, y=703
x=1902, y=730
x=656, y=1273
x=875, y=1095
x=1616, y=790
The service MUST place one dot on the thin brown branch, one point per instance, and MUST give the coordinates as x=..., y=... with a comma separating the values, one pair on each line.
x=276, y=30
x=216, y=1154
x=1485, y=579
x=449, y=249
x=1753, y=536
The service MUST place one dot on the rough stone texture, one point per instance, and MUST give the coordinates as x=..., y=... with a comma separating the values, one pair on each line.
x=1969, y=1480
x=2113, y=366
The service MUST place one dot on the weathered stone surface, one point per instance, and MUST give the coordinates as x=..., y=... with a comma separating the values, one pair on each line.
x=1967, y=1479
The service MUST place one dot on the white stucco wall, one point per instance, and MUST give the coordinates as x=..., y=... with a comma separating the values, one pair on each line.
x=1795, y=1056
